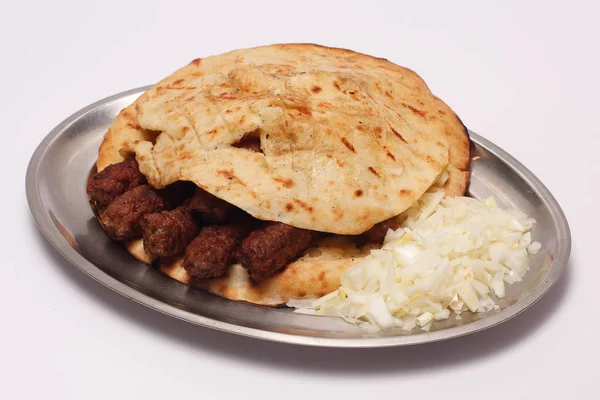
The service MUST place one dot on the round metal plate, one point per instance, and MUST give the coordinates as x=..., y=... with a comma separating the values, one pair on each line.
x=56, y=193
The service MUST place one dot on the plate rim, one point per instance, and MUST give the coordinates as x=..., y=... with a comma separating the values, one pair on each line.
x=52, y=235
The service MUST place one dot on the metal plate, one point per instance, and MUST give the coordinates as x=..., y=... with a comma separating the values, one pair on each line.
x=56, y=193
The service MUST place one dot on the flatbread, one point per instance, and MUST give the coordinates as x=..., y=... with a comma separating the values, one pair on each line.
x=315, y=274
x=305, y=176
x=459, y=147
x=339, y=131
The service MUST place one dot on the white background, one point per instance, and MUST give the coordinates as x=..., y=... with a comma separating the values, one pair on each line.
x=523, y=74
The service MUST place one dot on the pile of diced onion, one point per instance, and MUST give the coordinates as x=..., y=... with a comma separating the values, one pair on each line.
x=450, y=256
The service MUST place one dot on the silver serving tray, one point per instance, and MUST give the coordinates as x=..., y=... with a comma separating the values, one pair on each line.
x=55, y=186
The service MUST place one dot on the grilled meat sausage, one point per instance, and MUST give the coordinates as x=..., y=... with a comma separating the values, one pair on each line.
x=121, y=219
x=212, y=251
x=271, y=247
x=208, y=208
x=116, y=179
x=167, y=233
x=249, y=143
x=176, y=193
x=378, y=231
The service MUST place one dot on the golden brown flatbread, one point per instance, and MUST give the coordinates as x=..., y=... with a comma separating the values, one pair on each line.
x=339, y=131
x=314, y=274
x=347, y=140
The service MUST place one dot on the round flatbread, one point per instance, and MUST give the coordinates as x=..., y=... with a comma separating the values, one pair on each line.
x=347, y=141
x=314, y=274
x=339, y=131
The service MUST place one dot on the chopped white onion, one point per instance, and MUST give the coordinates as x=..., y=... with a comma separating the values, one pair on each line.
x=534, y=248
x=450, y=257
x=424, y=318
x=498, y=287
